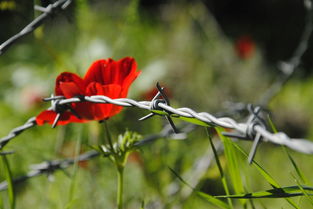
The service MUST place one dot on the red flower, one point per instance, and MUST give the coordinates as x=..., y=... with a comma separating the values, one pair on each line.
x=148, y=95
x=104, y=77
x=244, y=46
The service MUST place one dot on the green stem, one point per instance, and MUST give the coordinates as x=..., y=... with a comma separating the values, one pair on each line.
x=120, y=174
x=219, y=166
x=108, y=136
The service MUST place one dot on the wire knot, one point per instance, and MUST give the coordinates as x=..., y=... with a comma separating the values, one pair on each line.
x=154, y=105
x=61, y=108
x=255, y=119
x=57, y=107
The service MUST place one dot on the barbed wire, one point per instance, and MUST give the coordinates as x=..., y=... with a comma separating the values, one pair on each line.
x=46, y=12
x=288, y=68
x=248, y=130
x=252, y=129
x=17, y=131
x=51, y=166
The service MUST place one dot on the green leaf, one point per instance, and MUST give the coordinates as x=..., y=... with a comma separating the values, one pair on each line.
x=266, y=175
x=303, y=190
x=212, y=200
x=294, y=164
x=282, y=192
x=194, y=121
x=232, y=163
x=8, y=176
x=223, y=178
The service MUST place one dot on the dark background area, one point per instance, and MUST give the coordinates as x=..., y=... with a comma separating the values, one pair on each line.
x=276, y=26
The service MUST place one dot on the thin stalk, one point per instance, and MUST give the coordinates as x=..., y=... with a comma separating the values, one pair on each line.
x=8, y=175
x=120, y=186
x=109, y=139
x=224, y=182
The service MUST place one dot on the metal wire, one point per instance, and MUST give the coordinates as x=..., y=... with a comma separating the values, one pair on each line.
x=49, y=167
x=47, y=11
x=249, y=128
x=17, y=131
x=289, y=67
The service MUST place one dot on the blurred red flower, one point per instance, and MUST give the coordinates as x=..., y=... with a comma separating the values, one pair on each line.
x=244, y=46
x=104, y=77
x=150, y=93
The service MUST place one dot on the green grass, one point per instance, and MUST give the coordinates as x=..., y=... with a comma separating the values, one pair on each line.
x=185, y=49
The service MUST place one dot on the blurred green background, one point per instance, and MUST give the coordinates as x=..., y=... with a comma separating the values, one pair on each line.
x=191, y=48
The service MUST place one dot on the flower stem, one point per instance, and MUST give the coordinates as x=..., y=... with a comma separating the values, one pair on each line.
x=120, y=175
x=108, y=135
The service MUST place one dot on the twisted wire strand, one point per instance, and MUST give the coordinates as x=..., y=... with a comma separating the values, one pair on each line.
x=49, y=167
x=30, y=123
x=199, y=118
x=47, y=11
x=289, y=67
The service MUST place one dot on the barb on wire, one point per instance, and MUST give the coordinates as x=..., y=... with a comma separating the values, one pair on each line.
x=199, y=118
x=49, y=167
x=46, y=12
x=289, y=67
x=154, y=106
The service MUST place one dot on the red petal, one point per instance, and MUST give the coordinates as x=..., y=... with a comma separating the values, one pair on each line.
x=96, y=72
x=99, y=111
x=69, y=85
x=105, y=72
x=70, y=89
x=131, y=65
x=113, y=91
x=48, y=116
x=111, y=72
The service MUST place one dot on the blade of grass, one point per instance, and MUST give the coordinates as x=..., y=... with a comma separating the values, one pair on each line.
x=233, y=163
x=207, y=197
x=251, y=204
x=266, y=175
x=270, y=122
x=73, y=185
x=293, y=162
x=1, y=202
x=295, y=166
x=213, y=200
x=8, y=177
x=223, y=178
x=282, y=192
x=303, y=190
